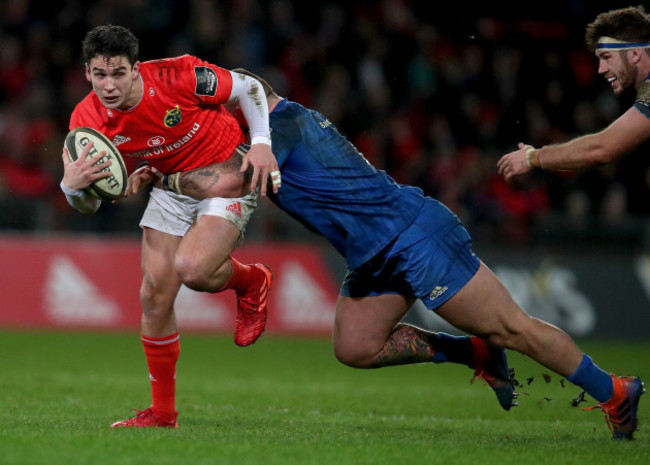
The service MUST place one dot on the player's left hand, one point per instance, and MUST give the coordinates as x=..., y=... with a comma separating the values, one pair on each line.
x=141, y=177
x=514, y=163
x=265, y=167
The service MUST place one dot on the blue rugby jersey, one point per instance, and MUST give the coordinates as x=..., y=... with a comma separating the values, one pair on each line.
x=642, y=101
x=329, y=186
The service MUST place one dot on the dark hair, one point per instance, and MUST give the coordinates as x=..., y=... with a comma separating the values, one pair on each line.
x=631, y=24
x=268, y=90
x=110, y=41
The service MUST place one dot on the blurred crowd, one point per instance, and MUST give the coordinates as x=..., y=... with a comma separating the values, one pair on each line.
x=432, y=92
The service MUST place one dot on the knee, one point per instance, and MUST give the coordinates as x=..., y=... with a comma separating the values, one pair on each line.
x=354, y=355
x=147, y=293
x=190, y=272
x=512, y=334
x=502, y=336
x=156, y=297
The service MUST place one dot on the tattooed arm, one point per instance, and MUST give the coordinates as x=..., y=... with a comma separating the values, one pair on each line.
x=216, y=180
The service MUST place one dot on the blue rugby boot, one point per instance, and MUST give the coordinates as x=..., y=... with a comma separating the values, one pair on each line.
x=620, y=411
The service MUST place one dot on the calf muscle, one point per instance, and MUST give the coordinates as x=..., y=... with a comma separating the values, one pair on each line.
x=406, y=344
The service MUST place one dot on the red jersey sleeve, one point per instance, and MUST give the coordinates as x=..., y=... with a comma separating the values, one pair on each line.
x=212, y=83
x=209, y=84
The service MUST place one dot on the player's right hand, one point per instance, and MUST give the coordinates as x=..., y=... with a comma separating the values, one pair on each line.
x=265, y=168
x=82, y=172
x=514, y=163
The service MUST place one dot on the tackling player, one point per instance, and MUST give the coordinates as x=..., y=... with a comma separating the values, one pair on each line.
x=170, y=113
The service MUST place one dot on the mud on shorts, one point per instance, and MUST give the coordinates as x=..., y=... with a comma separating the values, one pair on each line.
x=173, y=214
x=432, y=260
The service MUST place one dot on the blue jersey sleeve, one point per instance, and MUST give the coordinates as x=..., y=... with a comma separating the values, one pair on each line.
x=642, y=101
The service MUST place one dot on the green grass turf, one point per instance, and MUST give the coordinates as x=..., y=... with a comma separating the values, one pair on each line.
x=288, y=401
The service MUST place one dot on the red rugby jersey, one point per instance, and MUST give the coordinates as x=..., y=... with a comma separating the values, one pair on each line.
x=180, y=122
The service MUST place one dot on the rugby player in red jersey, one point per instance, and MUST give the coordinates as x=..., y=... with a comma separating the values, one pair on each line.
x=170, y=113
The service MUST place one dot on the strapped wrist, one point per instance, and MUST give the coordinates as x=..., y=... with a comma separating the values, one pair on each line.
x=170, y=182
x=529, y=153
x=266, y=140
x=71, y=192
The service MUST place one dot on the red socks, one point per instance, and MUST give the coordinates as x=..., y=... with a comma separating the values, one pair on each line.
x=162, y=354
x=242, y=278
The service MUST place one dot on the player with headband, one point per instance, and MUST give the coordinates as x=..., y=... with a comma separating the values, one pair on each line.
x=610, y=43
x=621, y=41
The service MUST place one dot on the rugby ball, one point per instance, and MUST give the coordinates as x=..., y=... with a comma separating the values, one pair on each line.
x=112, y=187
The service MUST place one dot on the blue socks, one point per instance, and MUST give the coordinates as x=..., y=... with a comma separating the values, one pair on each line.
x=596, y=382
x=455, y=349
x=458, y=349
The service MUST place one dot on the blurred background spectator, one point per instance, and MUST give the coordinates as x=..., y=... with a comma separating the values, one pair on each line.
x=432, y=92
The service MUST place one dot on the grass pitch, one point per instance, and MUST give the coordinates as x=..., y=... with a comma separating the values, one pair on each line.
x=288, y=401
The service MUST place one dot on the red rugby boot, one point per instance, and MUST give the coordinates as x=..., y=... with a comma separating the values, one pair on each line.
x=147, y=419
x=251, y=309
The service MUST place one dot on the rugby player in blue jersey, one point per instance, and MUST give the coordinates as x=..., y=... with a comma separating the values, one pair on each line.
x=621, y=41
x=401, y=246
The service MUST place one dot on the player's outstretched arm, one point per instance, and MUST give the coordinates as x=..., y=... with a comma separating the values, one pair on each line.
x=621, y=137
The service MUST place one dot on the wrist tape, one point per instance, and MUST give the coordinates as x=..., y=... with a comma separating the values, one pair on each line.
x=171, y=183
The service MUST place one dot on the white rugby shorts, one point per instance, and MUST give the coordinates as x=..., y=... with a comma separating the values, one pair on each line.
x=173, y=214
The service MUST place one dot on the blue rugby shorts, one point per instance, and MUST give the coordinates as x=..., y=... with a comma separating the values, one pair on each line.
x=432, y=260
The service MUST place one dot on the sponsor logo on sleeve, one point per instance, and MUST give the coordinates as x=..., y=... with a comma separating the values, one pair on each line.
x=206, y=81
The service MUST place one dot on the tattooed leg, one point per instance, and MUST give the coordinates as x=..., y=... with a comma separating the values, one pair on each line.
x=408, y=344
